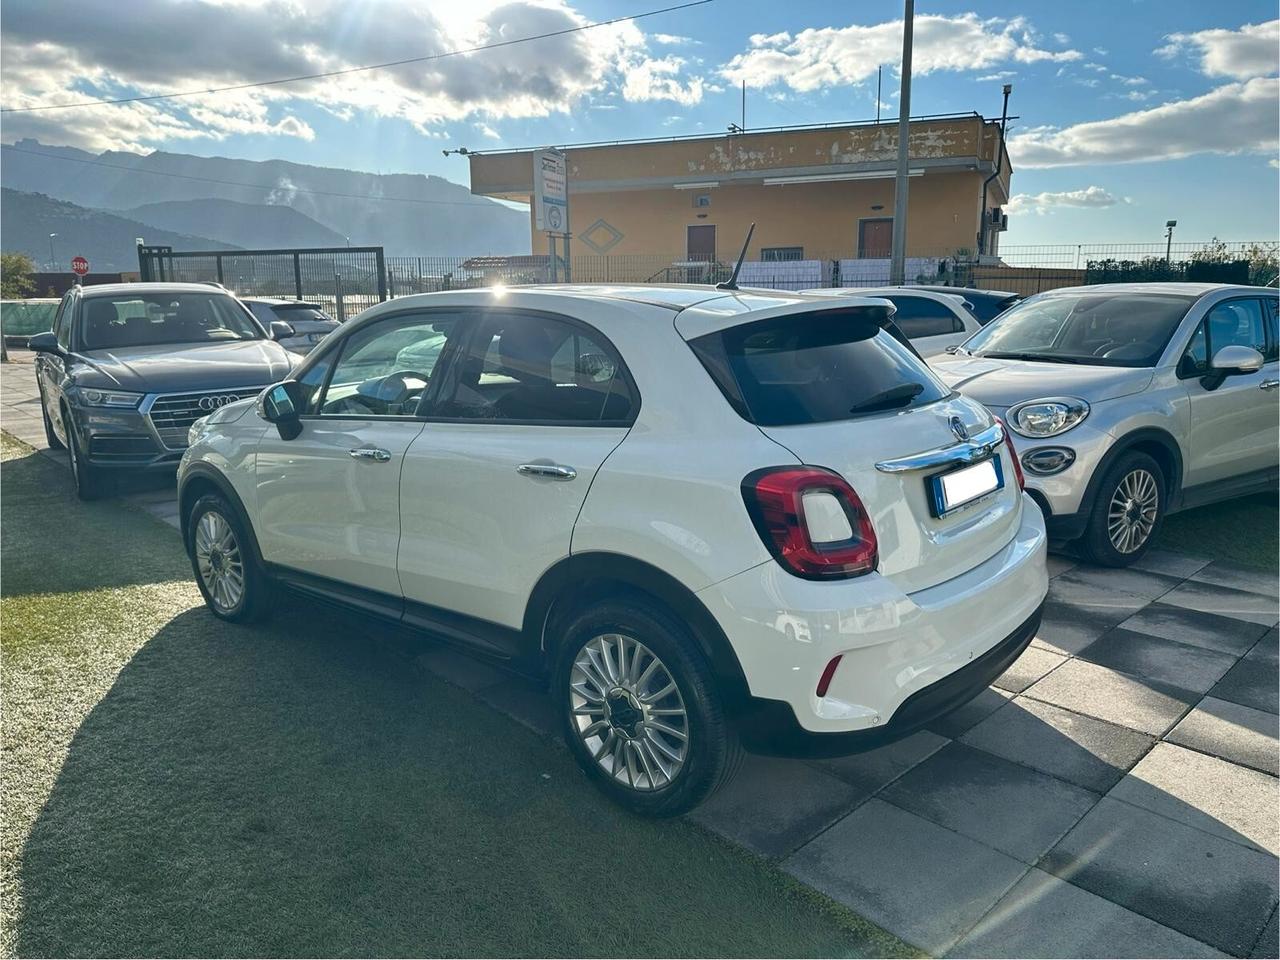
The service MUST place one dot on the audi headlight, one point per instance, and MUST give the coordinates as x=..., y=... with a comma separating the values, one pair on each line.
x=110, y=398
x=195, y=430
x=1048, y=417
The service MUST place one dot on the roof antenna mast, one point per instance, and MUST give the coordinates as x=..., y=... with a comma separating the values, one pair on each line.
x=732, y=282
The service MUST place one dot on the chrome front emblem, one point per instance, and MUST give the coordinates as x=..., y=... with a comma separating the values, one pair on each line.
x=213, y=403
x=959, y=429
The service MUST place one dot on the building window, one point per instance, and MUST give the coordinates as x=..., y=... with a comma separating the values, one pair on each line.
x=702, y=199
x=775, y=254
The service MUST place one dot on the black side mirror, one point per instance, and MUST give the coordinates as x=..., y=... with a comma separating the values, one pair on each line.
x=281, y=404
x=282, y=330
x=44, y=343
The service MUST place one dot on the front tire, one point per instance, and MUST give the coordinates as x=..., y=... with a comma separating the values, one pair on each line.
x=90, y=481
x=233, y=585
x=50, y=435
x=1127, y=512
x=640, y=710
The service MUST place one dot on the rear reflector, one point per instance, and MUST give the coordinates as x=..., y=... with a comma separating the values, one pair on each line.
x=825, y=680
x=812, y=521
x=1013, y=455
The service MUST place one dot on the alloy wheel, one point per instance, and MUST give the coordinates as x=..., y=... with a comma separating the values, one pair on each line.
x=627, y=709
x=218, y=558
x=1131, y=515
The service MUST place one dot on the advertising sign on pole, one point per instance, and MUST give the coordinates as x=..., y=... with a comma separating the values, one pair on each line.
x=550, y=191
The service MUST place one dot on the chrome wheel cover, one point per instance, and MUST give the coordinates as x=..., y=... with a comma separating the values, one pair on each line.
x=219, y=561
x=1132, y=512
x=627, y=710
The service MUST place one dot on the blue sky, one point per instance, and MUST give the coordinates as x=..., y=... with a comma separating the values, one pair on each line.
x=1183, y=94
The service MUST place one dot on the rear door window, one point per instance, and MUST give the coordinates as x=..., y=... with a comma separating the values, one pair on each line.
x=815, y=367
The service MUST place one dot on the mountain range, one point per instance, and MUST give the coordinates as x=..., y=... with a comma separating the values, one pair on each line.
x=242, y=203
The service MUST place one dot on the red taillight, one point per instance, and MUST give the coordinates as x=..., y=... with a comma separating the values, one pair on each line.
x=825, y=680
x=1013, y=455
x=812, y=521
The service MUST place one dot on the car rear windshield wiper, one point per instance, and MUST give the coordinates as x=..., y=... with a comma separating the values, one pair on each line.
x=898, y=396
x=1041, y=357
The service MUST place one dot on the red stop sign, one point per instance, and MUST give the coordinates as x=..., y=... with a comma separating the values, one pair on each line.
x=79, y=266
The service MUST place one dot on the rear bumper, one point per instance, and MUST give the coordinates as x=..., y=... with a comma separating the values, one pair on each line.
x=770, y=726
x=892, y=645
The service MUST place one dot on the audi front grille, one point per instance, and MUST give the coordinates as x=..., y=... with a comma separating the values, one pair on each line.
x=172, y=413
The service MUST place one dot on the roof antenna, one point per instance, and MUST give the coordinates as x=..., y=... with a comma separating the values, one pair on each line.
x=732, y=282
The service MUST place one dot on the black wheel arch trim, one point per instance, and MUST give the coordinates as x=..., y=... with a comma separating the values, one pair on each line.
x=1126, y=444
x=200, y=471
x=582, y=569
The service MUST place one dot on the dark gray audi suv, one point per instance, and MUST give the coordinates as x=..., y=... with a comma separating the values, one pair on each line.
x=128, y=368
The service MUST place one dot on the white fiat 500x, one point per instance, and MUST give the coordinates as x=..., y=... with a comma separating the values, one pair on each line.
x=711, y=519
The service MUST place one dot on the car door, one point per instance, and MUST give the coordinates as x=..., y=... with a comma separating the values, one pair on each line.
x=1234, y=424
x=329, y=499
x=51, y=369
x=492, y=486
x=931, y=325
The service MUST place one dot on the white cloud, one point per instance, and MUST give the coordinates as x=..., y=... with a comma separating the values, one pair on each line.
x=831, y=56
x=1248, y=52
x=1130, y=81
x=998, y=75
x=1091, y=197
x=1236, y=118
x=242, y=41
x=672, y=39
x=1061, y=38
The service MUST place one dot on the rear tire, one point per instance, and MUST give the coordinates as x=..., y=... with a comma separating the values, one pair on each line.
x=1127, y=512
x=640, y=709
x=234, y=586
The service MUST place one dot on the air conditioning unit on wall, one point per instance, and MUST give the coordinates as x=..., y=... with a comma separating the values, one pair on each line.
x=998, y=218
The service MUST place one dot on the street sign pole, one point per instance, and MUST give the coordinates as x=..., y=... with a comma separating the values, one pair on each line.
x=897, y=266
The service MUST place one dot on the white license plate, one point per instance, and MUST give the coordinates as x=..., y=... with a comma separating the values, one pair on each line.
x=955, y=489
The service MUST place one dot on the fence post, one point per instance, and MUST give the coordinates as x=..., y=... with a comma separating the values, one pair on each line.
x=217, y=265
x=551, y=246
x=337, y=290
x=391, y=282
x=382, y=274
x=297, y=274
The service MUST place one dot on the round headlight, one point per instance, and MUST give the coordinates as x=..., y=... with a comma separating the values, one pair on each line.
x=1048, y=417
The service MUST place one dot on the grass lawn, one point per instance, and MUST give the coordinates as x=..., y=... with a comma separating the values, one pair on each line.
x=1245, y=531
x=175, y=786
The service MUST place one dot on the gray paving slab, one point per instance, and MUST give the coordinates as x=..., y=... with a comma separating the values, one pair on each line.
x=1138, y=583
x=1226, y=574
x=1170, y=563
x=1268, y=647
x=1016, y=810
x=1215, y=796
x=1058, y=564
x=1208, y=630
x=1233, y=732
x=1068, y=629
x=1034, y=663
x=1268, y=944
x=1155, y=658
x=964, y=718
x=1211, y=598
x=870, y=771
x=1251, y=682
x=459, y=669
x=525, y=702
x=1101, y=603
x=927, y=884
x=1082, y=750
x=1043, y=916
x=774, y=806
x=1216, y=891
x=1144, y=705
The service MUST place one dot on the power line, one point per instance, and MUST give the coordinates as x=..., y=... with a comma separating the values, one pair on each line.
x=251, y=186
x=375, y=66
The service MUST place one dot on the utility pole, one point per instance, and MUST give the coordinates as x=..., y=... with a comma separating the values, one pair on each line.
x=1168, y=240
x=879, y=82
x=744, y=106
x=53, y=262
x=897, y=266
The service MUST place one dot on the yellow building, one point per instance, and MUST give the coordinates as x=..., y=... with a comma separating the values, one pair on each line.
x=815, y=194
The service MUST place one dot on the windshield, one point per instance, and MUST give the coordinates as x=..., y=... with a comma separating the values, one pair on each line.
x=1106, y=328
x=152, y=319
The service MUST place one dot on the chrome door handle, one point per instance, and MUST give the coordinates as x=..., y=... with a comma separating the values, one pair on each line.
x=551, y=471
x=1269, y=384
x=376, y=454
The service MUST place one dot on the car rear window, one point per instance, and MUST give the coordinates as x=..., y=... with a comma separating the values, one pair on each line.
x=302, y=311
x=816, y=367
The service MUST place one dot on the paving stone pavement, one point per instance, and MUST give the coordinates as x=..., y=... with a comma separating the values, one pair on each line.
x=1114, y=794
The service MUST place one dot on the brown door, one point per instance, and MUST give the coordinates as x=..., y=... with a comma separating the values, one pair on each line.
x=875, y=237
x=702, y=242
